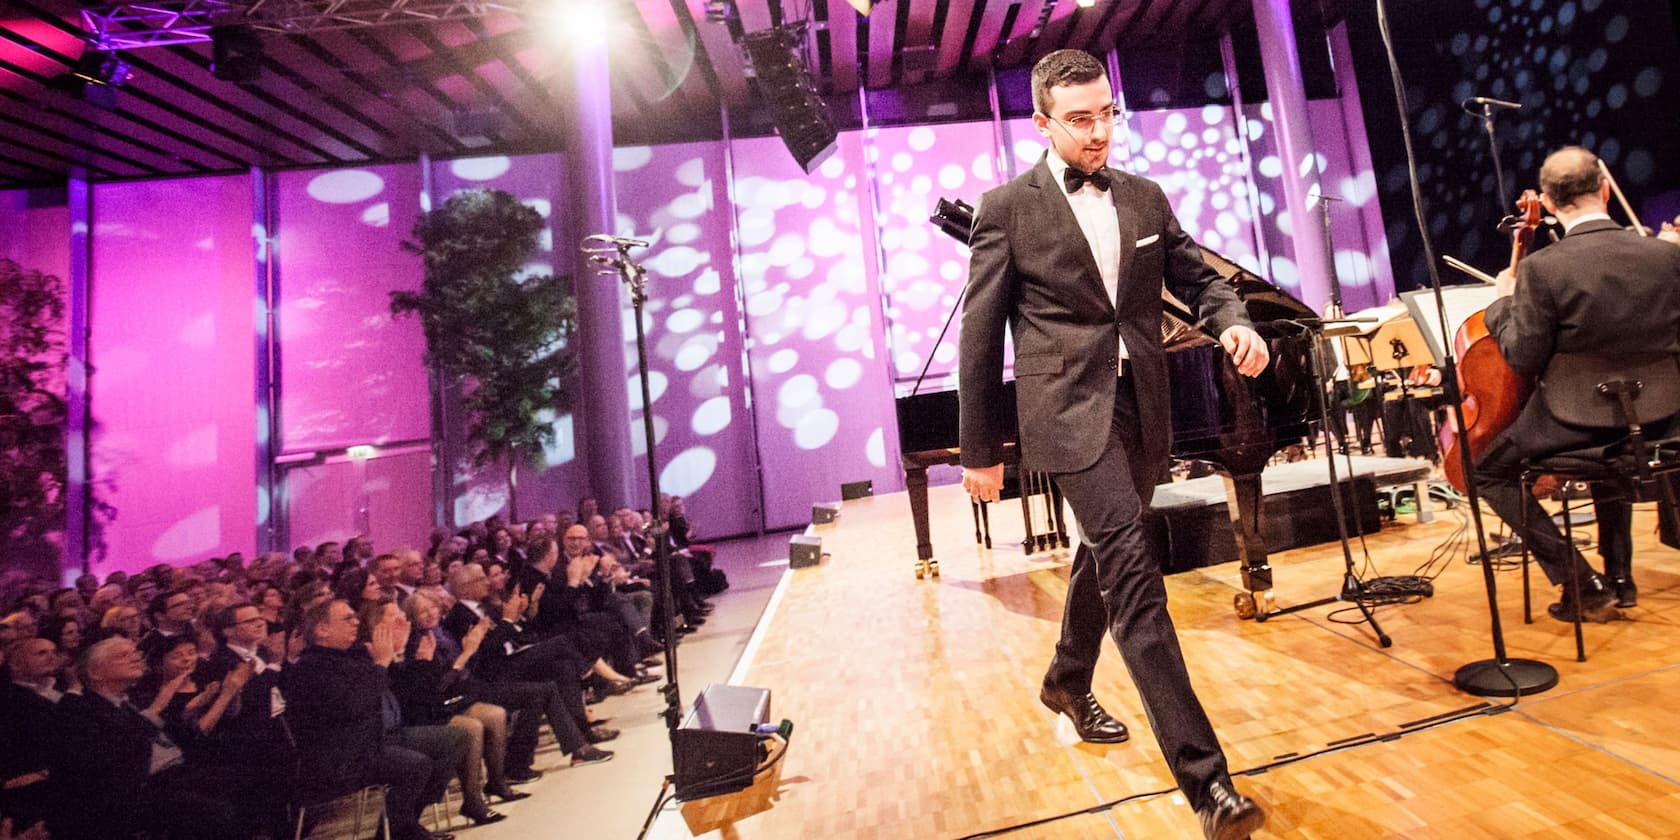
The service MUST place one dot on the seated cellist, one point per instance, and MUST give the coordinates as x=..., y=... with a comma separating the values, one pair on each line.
x=1600, y=289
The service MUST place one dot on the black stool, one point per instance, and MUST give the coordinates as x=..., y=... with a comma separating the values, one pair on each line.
x=1609, y=392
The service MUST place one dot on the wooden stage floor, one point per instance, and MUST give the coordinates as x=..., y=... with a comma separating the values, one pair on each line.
x=916, y=712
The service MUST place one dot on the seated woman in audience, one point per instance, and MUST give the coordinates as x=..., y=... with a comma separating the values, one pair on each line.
x=432, y=693
x=121, y=621
x=270, y=602
x=67, y=633
x=172, y=691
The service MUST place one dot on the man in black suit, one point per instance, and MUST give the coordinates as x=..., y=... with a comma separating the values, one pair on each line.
x=347, y=725
x=1601, y=290
x=114, y=771
x=27, y=700
x=1072, y=257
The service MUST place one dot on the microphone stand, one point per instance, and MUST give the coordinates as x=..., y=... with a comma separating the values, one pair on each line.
x=1353, y=589
x=1493, y=146
x=1500, y=676
x=612, y=254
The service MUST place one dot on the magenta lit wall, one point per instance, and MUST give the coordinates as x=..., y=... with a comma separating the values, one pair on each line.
x=924, y=269
x=672, y=196
x=172, y=384
x=349, y=373
x=35, y=230
x=821, y=388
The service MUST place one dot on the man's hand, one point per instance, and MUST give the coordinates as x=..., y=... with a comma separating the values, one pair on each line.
x=983, y=483
x=426, y=648
x=514, y=606
x=1247, y=349
x=1670, y=231
x=475, y=636
x=1505, y=283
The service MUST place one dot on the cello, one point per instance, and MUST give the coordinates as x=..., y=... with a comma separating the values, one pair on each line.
x=1492, y=392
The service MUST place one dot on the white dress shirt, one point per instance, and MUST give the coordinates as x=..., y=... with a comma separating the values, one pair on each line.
x=1100, y=223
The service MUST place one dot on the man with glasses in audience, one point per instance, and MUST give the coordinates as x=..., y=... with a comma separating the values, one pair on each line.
x=1072, y=257
x=172, y=616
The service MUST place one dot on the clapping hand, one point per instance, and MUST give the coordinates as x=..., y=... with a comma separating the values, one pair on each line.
x=426, y=647
x=383, y=647
x=475, y=636
x=514, y=606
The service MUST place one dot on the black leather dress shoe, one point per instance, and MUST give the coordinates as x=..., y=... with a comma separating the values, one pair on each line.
x=1627, y=594
x=505, y=793
x=1229, y=815
x=1595, y=600
x=1090, y=720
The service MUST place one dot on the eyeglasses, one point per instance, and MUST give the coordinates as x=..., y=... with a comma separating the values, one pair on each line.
x=1086, y=124
x=252, y=620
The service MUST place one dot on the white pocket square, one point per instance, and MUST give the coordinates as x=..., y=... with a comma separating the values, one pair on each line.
x=1148, y=240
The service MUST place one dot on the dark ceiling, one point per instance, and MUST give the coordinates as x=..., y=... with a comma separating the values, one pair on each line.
x=477, y=84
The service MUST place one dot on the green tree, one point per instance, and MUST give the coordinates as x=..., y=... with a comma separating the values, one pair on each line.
x=503, y=336
x=33, y=466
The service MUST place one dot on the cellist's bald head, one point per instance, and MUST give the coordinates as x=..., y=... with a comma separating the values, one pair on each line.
x=1571, y=183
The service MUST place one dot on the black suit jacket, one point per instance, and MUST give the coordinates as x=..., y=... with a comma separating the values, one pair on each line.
x=249, y=731
x=1032, y=269
x=493, y=651
x=334, y=703
x=100, y=768
x=1600, y=289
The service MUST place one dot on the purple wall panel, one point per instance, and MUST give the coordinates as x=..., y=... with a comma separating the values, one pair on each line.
x=539, y=181
x=389, y=498
x=925, y=269
x=349, y=373
x=172, y=386
x=676, y=198
x=1362, y=266
x=35, y=230
x=822, y=397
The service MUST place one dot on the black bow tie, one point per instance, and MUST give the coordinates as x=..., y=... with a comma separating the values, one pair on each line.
x=1073, y=179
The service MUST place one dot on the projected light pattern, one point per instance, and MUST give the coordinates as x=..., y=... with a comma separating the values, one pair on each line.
x=35, y=232
x=825, y=413
x=172, y=386
x=925, y=269
x=1362, y=266
x=679, y=203
x=350, y=373
x=1586, y=72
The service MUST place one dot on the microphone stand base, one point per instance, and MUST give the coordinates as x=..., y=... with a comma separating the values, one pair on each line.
x=1507, y=678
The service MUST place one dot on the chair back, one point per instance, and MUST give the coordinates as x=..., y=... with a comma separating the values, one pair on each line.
x=1610, y=391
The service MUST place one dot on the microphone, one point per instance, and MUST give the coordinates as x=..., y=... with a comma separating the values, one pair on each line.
x=1490, y=102
x=600, y=259
x=623, y=241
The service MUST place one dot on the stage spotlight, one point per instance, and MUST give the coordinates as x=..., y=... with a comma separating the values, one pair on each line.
x=98, y=76
x=236, y=54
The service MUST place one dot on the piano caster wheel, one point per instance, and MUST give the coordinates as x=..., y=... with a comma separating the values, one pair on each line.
x=1256, y=605
x=921, y=569
x=933, y=568
x=1244, y=604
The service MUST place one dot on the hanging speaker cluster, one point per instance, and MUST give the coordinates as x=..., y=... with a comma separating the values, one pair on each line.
x=798, y=112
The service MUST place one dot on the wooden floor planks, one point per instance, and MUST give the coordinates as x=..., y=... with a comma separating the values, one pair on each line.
x=916, y=712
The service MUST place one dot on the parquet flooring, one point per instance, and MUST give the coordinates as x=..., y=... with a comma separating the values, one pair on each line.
x=916, y=712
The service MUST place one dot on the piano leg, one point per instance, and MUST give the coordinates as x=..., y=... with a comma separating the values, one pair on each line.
x=1056, y=508
x=986, y=523
x=1243, y=499
x=974, y=509
x=1028, y=543
x=916, y=481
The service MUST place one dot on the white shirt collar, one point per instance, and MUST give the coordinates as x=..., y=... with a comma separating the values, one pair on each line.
x=1584, y=217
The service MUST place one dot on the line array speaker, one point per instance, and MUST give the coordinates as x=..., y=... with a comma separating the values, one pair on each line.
x=800, y=116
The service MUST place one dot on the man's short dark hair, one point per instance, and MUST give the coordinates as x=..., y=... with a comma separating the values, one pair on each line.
x=1569, y=174
x=1063, y=67
x=315, y=617
x=220, y=620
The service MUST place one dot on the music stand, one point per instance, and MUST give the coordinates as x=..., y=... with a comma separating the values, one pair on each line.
x=1460, y=303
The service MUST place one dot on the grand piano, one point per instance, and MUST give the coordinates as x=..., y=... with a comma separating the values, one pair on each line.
x=1232, y=422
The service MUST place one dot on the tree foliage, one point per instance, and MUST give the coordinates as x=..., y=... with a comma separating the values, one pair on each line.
x=33, y=468
x=503, y=334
